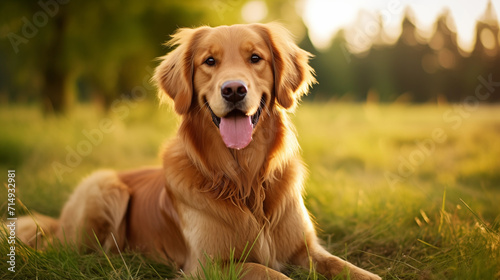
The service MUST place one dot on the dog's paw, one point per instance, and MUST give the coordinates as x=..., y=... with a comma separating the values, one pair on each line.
x=361, y=274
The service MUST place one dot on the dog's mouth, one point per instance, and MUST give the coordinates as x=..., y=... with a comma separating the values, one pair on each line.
x=236, y=127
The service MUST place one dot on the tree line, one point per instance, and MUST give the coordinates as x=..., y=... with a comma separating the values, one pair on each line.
x=413, y=69
x=58, y=52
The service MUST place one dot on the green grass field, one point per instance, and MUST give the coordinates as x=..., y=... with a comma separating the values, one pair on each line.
x=408, y=192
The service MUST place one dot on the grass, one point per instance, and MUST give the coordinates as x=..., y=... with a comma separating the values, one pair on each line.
x=388, y=192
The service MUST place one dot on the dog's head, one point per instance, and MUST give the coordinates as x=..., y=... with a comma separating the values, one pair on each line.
x=234, y=72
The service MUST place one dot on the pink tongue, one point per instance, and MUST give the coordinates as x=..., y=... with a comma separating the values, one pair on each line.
x=236, y=131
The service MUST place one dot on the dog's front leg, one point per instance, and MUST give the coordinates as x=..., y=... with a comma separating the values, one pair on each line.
x=255, y=271
x=248, y=271
x=329, y=265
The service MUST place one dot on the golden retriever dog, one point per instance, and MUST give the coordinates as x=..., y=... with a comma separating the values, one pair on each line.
x=231, y=177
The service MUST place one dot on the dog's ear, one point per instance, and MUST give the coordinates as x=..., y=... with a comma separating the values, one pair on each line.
x=292, y=74
x=174, y=75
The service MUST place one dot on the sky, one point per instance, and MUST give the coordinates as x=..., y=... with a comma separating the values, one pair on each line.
x=325, y=17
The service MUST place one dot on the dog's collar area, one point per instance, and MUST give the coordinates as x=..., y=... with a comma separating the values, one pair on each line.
x=255, y=117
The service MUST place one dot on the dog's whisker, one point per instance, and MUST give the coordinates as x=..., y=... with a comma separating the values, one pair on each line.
x=265, y=108
x=201, y=108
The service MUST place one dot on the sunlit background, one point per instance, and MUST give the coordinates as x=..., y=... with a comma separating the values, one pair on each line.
x=394, y=50
x=325, y=18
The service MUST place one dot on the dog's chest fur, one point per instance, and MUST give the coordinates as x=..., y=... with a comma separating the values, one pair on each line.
x=209, y=221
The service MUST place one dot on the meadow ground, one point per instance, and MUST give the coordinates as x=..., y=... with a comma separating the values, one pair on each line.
x=408, y=192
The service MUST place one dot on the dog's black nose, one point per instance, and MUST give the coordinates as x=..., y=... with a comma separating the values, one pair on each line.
x=234, y=91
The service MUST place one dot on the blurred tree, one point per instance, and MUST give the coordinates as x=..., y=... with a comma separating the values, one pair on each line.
x=409, y=76
x=20, y=65
x=56, y=71
x=447, y=77
x=486, y=44
x=382, y=80
x=485, y=59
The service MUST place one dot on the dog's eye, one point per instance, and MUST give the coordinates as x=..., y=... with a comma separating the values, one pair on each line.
x=255, y=58
x=210, y=61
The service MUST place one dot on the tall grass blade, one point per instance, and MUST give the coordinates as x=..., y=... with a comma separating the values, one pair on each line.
x=478, y=219
x=442, y=212
x=121, y=256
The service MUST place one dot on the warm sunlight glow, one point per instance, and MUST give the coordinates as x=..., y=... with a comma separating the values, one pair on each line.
x=254, y=11
x=325, y=18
